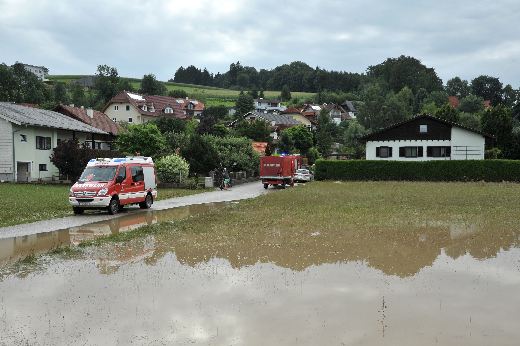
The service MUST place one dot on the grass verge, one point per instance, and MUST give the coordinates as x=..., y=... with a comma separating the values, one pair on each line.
x=25, y=203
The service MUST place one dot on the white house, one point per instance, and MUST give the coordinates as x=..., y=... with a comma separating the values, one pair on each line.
x=27, y=137
x=425, y=138
x=39, y=71
x=269, y=106
x=127, y=107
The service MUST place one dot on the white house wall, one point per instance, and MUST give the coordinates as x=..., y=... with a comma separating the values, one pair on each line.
x=372, y=145
x=26, y=151
x=466, y=145
x=6, y=151
x=122, y=115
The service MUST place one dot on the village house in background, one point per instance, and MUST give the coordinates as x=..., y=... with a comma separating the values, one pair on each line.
x=138, y=109
x=455, y=102
x=269, y=106
x=425, y=138
x=27, y=137
x=39, y=71
x=95, y=119
x=277, y=122
x=349, y=107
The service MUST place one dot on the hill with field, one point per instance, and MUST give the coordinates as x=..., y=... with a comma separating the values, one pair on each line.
x=212, y=96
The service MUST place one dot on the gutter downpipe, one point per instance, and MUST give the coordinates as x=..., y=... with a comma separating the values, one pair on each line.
x=15, y=178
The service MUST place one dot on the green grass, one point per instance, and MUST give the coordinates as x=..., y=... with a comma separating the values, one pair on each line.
x=212, y=95
x=360, y=206
x=24, y=203
x=396, y=227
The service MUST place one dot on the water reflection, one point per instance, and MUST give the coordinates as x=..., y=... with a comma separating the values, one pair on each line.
x=423, y=284
x=16, y=248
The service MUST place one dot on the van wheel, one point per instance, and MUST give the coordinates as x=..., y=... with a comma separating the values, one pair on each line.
x=113, y=207
x=266, y=186
x=148, y=201
x=78, y=211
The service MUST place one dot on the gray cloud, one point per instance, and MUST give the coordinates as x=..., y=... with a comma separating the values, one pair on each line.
x=465, y=38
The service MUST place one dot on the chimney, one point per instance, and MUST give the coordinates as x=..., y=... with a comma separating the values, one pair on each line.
x=72, y=105
x=82, y=107
x=187, y=98
x=90, y=112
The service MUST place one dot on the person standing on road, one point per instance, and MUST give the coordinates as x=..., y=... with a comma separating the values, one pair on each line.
x=225, y=176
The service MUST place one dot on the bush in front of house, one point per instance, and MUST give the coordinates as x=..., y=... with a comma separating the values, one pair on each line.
x=471, y=170
x=172, y=169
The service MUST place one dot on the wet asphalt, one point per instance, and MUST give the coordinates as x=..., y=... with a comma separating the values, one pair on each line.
x=240, y=192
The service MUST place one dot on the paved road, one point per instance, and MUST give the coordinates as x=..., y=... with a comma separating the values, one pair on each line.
x=239, y=192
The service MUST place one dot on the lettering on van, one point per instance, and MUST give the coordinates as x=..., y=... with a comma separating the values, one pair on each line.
x=271, y=165
x=93, y=185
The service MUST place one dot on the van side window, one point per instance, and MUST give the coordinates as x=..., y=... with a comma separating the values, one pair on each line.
x=122, y=172
x=137, y=173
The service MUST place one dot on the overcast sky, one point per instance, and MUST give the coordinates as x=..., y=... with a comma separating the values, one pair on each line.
x=456, y=37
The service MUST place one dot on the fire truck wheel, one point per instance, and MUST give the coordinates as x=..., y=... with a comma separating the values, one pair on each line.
x=113, y=207
x=147, y=202
x=78, y=211
x=266, y=186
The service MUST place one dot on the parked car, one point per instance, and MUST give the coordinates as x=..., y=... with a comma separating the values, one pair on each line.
x=303, y=175
x=113, y=183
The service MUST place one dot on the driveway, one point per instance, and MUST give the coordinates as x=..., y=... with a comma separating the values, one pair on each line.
x=245, y=191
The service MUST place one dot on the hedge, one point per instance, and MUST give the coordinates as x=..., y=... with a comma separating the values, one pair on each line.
x=471, y=170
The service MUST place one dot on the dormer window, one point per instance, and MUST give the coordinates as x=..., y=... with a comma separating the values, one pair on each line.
x=168, y=110
x=190, y=106
x=145, y=108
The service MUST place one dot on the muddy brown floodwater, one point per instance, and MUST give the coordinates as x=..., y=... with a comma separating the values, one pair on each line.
x=446, y=284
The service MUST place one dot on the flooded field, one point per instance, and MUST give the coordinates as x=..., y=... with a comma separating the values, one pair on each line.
x=278, y=271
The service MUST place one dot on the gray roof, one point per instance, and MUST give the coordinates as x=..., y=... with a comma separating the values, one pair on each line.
x=23, y=115
x=349, y=105
x=279, y=119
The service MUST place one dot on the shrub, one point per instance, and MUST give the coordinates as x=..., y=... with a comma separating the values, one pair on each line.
x=172, y=169
x=471, y=170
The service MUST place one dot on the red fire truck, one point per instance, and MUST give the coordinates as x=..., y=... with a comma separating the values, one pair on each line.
x=278, y=170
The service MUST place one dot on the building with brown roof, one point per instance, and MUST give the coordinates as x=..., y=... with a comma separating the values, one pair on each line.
x=134, y=108
x=95, y=119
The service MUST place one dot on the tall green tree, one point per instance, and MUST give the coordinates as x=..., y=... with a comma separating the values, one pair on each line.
x=106, y=83
x=201, y=154
x=151, y=86
x=406, y=71
x=244, y=104
x=351, y=139
x=489, y=88
x=145, y=139
x=324, y=137
x=285, y=94
x=457, y=87
x=447, y=113
x=471, y=104
x=498, y=122
x=168, y=124
x=256, y=130
x=60, y=93
x=78, y=95
x=301, y=138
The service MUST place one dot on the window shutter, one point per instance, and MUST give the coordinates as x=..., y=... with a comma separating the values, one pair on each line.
x=429, y=151
x=401, y=152
x=377, y=151
x=419, y=151
x=389, y=151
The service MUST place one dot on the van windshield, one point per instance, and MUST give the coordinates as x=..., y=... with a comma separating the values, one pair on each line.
x=105, y=173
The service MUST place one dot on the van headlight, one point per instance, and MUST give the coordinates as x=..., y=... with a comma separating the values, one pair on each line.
x=71, y=193
x=102, y=192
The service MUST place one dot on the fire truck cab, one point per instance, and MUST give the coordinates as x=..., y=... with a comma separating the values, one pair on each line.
x=112, y=183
